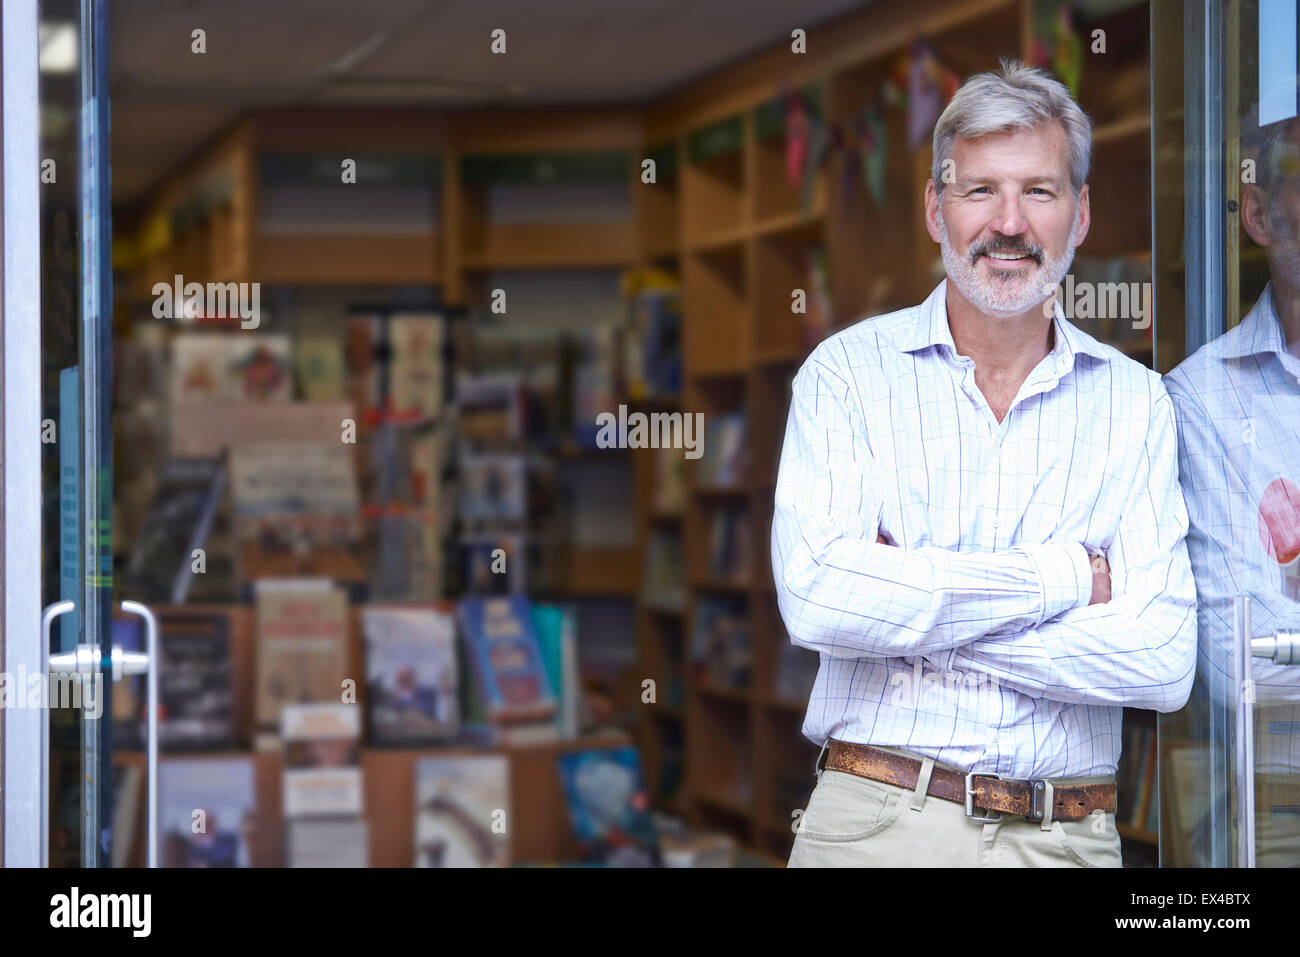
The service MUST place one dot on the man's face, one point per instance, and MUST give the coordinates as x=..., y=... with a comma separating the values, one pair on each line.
x=1008, y=224
x=1283, y=217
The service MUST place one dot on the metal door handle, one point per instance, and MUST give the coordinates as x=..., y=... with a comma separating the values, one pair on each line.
x=1281, y=647
x=133, y=663
x=51, y=612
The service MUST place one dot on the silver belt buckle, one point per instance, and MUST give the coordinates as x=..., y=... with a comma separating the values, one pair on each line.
x=970, y=797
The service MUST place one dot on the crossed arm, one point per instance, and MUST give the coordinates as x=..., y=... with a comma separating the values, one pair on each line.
x=1037, y=618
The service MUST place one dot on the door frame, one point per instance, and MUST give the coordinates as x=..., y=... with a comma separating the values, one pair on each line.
x=21, y=760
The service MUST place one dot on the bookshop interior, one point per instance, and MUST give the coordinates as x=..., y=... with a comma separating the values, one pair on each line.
x=403, y=296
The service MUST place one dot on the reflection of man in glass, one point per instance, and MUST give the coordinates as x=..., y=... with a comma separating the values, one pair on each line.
x=1237, y=402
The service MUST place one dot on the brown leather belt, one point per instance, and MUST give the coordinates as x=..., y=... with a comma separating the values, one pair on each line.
x=974, y=790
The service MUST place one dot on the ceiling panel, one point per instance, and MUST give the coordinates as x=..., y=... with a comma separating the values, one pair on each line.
x=167, y=101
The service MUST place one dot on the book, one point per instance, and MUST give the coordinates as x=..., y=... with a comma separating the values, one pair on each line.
x=318, y=363
x=730, y=545
x=208, y=429
x=260, y=367
x=556, y=628
x=200, y=368
x=194, y=682
x=493, y=488
x=595, y=383
x=415, y=374
x=490, y=406
x=327, y=842
x=301, y=645
x=296, y=509
x=179, y=520
x=322, y=760
x=509, y=677
x=608, y=807
x=206, y=813
x=492, y=564
x=654, y=364
x=721, y=646
x=411, y=674
x=363, y=348
x=724, y=460
x=462, y=811
x=663, y=584
x=670, y=481
x=211, y=367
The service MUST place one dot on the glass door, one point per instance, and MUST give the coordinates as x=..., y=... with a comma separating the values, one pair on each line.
x=76, y=466
x=1230, y=761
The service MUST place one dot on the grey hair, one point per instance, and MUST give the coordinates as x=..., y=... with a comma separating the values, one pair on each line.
x=1265, y=146
x=1016, y=98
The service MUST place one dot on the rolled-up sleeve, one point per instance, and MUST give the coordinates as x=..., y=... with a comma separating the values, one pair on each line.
x=845, y=595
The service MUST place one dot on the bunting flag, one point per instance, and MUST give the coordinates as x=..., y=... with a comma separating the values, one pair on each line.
x=1067, y=58
x=797, y=134
x=816, y=153
x=924, y=94
x=918, y=84
x=1057, y=44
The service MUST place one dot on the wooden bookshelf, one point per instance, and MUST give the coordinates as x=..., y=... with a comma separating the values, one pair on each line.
x=745, y=238
x=722, y=214
x=538, y=826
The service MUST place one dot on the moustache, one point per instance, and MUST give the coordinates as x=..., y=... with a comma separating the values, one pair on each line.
x=993, y=246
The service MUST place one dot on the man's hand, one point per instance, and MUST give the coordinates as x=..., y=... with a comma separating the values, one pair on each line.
x=1100, y=580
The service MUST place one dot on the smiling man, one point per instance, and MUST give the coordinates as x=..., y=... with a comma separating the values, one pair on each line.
x=979, y=527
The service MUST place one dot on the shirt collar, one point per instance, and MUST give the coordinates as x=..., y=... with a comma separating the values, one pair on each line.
x=931, y=328
x=1259, y=332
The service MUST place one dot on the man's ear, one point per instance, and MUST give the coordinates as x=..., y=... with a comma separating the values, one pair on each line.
x=1084, y=214
x=1254, y=214
x=932, y=211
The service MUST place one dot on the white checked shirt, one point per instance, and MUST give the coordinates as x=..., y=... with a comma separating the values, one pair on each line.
x=1237, y=403
x=971, y=639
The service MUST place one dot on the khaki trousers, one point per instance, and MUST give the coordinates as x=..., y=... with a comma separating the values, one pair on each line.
x=855, y=822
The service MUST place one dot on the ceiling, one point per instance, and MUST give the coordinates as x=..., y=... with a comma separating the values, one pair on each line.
x=167, y=101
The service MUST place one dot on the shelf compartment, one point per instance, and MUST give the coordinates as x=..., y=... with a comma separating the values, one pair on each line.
x=347, y=258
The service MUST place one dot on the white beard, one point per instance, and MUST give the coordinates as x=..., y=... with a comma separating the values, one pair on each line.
x=1008, y=293
x=1284, y=251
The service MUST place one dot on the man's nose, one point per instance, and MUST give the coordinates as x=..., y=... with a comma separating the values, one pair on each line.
x=1009, y=219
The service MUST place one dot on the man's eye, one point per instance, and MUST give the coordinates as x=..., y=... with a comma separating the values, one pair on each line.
x=1040, y=191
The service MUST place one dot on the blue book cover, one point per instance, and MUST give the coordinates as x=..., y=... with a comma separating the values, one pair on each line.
x=508, y=670
x=608, y=807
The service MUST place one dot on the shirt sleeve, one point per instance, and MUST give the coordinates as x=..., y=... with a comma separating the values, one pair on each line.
x=1227, y=553
x=1137, y=650
x=845, y=595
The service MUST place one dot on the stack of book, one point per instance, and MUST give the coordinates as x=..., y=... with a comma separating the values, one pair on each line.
x=323, y=802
